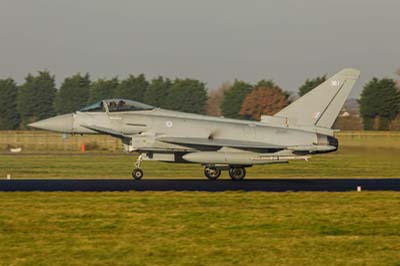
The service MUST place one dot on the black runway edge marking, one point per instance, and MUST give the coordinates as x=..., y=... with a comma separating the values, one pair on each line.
x=272, y=185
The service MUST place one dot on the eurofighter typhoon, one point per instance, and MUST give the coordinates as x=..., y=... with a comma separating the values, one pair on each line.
x=297, y=131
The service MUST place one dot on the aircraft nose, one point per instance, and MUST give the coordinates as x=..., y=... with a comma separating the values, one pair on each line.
x=60, y=123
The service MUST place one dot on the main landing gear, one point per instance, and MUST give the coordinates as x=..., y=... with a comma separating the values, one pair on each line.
x=137, y=173
x=212, y=173
x=235, y=172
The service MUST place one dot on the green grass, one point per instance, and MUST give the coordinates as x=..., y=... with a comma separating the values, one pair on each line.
x=349, y=161
x=199, y=228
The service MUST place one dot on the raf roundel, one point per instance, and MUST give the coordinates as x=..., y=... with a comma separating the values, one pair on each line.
x=335, y=83
x=316, y=115
x=169, y=123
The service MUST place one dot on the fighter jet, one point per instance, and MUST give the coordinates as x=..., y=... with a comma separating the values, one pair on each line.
x=302, y=128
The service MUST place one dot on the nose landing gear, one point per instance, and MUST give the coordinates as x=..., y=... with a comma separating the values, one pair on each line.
x=137, y=173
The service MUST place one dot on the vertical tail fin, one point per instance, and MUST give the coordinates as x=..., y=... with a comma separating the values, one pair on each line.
x=321, y=106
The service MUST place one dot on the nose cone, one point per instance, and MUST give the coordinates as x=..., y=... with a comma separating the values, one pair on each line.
x=61, y=123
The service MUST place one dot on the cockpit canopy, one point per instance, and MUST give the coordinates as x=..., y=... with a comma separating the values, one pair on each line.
x=116, y=105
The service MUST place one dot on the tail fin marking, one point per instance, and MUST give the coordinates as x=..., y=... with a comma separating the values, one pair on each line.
x=321, y=106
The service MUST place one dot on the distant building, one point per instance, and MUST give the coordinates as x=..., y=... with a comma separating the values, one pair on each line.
x=344, y=113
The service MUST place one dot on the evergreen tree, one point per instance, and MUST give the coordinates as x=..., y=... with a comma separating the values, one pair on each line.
x=73, y=94
x=157, y=92
x=132, y=88
x=233, y=99
x=379, y=100
x=102, y=89
x=267, y=84
x=187, y=95
x=310, y=84
x=9, y=118
x=36, y=97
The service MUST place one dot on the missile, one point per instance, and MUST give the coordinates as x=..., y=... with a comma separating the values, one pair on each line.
x=239, y=158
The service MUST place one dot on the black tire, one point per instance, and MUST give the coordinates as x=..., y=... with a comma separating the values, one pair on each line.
x=212, y=173
x=137, y=173
x=237, y=173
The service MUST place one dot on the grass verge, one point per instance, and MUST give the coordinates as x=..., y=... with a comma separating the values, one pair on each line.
x=349, y=161
x=182, y=228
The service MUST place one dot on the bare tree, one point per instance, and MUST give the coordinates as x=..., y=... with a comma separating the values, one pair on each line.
x=263, y=101
x=215, y=98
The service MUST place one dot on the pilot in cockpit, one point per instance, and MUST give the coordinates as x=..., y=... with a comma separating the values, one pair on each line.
x=112, y=106
x=121, y=105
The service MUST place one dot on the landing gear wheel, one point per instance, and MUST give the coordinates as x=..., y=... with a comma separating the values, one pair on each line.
x=237, y=173
x=212, y=173
x=137, y=173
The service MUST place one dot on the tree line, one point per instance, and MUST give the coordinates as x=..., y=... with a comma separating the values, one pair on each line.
x=38, y=98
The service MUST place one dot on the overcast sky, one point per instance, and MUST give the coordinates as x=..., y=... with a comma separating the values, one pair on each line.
x=210, y=40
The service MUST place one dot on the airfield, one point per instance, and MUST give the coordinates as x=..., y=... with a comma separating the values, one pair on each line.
x=235, y=226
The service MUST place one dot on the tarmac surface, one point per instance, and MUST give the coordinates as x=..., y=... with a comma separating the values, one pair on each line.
x=272, y=185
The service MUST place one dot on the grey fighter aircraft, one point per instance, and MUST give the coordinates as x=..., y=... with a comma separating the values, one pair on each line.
x=300, y=129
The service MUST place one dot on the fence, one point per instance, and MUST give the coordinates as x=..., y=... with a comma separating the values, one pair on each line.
x=46, y=141
x=34, y=141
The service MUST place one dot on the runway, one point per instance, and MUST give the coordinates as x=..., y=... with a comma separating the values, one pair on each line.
x=272, y=185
